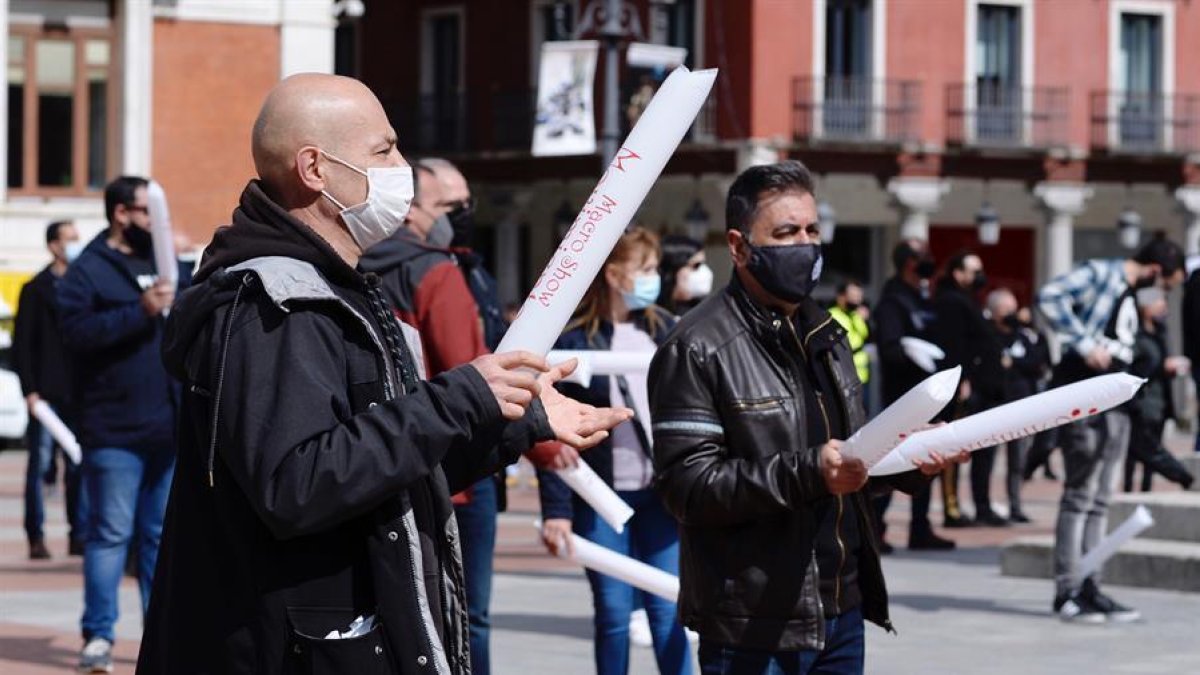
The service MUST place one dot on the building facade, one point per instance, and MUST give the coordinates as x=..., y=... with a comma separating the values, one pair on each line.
x=1059, y=116
x=162, y=88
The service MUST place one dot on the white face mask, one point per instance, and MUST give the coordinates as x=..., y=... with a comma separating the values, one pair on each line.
x=699, y=282
x=390, y=193
x=72, y=249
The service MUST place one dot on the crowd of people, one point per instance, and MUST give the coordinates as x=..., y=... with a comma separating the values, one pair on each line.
x=305, y=436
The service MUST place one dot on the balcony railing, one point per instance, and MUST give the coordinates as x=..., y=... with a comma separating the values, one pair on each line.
x=431, y=123
x=1002, y=116
x=855, y=109
x=1139, y=122
x=445, y=124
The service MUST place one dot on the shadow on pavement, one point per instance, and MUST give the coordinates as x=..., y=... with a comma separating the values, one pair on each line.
x=937, y=603
x=545, y=624
x=988, y=556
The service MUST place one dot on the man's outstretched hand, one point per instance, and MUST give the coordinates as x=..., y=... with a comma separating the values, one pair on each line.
x=579, y=425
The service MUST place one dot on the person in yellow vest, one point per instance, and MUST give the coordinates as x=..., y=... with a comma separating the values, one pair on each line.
x=850, y=311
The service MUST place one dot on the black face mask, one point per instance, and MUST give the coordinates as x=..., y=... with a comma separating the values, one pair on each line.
x=139, y=240
x=1012, y=321
x=979, y=282
x=925, y=268
x=852, y=306
x=462, y=220
x=789, y=273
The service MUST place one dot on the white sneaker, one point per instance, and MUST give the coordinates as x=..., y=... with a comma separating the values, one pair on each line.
x=639, y=628
x=96, y=656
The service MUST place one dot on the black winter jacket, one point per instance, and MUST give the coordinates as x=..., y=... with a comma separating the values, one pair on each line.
x=40, y=357
x=968, y=341
x=736, y=469
x=324, y=493
x=900, y=312
x=123, y=395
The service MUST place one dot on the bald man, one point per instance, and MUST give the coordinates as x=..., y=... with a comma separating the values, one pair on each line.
x=312, y=494
x=1024, y=360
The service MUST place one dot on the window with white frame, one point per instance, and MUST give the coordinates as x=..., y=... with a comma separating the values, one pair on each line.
x=1141, y=108
x=998, y=94
x=848, y=89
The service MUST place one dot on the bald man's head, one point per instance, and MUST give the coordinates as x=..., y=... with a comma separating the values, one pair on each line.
x=330, y=113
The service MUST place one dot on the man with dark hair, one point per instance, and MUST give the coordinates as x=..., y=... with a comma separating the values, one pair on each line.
x=852, y=313
x=749, y=397
x=904, y=310
x=964, y=335
x=1093, y=312
x=111, y=304
x=316, y=463
x=41, y=361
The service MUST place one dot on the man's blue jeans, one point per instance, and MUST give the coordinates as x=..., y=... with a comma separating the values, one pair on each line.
x=843, y=654
x=477, y=532
x=652, y=537
x=126, y=494
x=41, y=450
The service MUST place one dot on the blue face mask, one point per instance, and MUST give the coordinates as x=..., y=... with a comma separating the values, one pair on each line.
x=645, y=292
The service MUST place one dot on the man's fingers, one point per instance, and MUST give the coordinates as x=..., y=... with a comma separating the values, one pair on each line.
x=521, y=359
x=562, y=370
x=511, y=411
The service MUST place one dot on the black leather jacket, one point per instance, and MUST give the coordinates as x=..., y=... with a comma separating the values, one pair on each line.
x=734, y=466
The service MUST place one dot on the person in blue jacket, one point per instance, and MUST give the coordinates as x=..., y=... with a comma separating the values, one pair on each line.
x=618, y=313
x=112, y=303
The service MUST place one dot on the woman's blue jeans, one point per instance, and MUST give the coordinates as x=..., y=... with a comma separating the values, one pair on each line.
x=652, y=537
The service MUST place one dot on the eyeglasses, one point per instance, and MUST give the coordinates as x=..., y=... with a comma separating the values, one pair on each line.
x=137, y=208
x=467, y=205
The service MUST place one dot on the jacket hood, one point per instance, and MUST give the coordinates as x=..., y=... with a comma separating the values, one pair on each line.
x=262, y=228
x=395, y=251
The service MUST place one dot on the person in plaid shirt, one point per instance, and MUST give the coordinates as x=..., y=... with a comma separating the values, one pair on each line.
x=1093, y=313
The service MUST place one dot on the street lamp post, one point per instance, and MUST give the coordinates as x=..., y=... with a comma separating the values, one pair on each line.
x=612, y=32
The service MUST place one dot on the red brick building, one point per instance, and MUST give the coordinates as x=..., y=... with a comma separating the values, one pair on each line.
x=1060, y=114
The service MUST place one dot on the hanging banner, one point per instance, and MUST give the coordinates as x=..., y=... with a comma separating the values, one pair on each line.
x=564, y=123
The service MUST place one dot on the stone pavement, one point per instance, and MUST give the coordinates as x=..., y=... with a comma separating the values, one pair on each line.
x=954, y=612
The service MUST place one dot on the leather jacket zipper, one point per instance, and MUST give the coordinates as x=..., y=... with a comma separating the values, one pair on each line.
x=837, y=528
x=756, y=405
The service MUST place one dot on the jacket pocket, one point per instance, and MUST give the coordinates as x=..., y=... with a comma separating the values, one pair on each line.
x=310, y=654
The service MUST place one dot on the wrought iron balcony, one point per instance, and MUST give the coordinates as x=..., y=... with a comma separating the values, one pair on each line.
x=1004, y=116
x=1142, y=122
x=431, y=123
x=855, y=109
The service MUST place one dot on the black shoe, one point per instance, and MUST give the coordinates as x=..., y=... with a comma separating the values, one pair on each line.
x=886, y=548
x=38, y=551
x=1019, y=517
x=991, y=519
x=1075, y=608
x=957, y=522
x=929, y=542
x=1115, y=611
x=75, y=547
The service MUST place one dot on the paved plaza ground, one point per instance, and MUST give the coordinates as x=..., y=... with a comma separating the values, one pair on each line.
x=954, y=612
